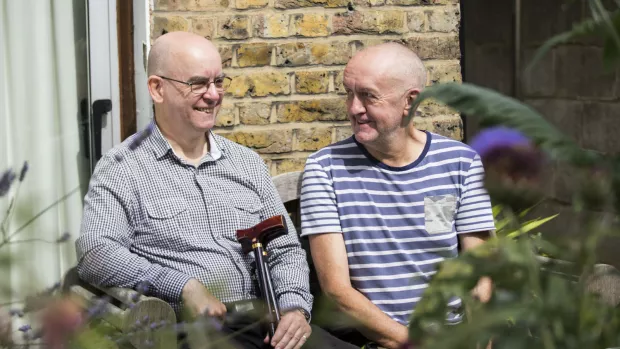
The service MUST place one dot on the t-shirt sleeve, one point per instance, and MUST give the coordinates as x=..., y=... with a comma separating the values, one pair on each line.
x=318, y=207
x=474, y=212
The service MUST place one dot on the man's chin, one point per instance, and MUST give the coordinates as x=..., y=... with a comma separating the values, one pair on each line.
x=365, y=136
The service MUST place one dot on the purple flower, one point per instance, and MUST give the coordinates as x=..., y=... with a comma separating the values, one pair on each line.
x=135, y=297
x=492, y=138
x=99, y=307
x=5, y=181
x=154, y=325
x=23, y=172
x=64, y=237
x=142, y=287
x=508, y=153
x=25, y=328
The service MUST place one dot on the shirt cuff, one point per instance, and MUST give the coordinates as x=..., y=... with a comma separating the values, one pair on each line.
x=171, y=285
x=290, y=301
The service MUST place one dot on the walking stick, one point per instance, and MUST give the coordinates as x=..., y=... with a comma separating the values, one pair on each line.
x=255, y=239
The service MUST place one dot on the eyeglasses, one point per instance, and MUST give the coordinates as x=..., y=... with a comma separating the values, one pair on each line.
x=201, y=86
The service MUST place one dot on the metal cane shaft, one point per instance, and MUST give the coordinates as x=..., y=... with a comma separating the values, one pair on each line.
x=265, y=287
x=272, y=294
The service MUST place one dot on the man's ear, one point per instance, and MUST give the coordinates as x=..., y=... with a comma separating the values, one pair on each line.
x=156, y=88
x=410, y=98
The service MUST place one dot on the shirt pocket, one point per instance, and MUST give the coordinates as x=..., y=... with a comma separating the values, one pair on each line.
x=247, y=210
x=439, y=212
x=166, y=223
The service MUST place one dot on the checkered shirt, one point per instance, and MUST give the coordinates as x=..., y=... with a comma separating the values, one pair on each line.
x=150, y=216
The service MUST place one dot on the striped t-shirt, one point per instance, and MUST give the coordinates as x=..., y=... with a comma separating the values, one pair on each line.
x=398, y=223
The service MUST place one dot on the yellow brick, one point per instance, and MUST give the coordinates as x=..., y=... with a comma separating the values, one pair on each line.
x=190, y=5
x=286, y=4
x=271, y=25
x=343, y=133
x=254, y=113
x=226, y=54
x=445, y=19
x=260, y=84
x=444, y=72
x=226, y=116
x=203, y=26
x=339, y=82
x=416, y=21
x=246, y=4
x=435, y=47
x=289, y=165
x=371, y=22
x=311, y=82
x=332, y=109
x=311, y=53
x=451, y=126
x=431, y=108
x=313, y=138
x=269, y=83
x=167, y=24
x=233, y=27
x=264, y=142
x=255, y=54
x=310, y=25
x=239, y=86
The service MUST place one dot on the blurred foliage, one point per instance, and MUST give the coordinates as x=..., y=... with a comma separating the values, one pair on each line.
x=537, y=302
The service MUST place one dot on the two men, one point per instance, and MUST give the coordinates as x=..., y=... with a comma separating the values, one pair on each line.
x=383, y=208
x=165, y=212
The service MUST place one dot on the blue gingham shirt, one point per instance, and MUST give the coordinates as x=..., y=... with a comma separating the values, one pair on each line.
x=149, y=216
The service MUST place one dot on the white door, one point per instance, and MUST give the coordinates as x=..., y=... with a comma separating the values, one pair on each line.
x=56, y=78
x=105, y=123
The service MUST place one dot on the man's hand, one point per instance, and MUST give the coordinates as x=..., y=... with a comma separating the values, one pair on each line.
x=292, y=332
x=199, y=301
x=483, y=289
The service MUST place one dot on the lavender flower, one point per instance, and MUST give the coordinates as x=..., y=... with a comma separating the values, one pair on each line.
x=143, y=287
x=64, y=237
x=23, y=172
x=5, y=181
x=135, y=297
x=25, y=328
x=99, y=307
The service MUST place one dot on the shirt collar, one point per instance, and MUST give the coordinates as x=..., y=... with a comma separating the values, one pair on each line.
x=161, y=146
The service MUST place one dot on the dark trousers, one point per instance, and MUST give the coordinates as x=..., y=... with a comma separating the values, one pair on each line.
x=245, y=332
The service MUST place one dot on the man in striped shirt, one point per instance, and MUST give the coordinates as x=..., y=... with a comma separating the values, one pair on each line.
x=383, y=208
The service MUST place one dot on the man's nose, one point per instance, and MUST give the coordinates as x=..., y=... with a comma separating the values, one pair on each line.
x=211, y=92
x=356, y=106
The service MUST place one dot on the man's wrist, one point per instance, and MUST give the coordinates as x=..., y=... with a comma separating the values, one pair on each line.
x=304, y=313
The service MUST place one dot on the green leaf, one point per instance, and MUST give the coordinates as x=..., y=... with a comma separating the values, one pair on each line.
x=493, y=108
x=530, y=225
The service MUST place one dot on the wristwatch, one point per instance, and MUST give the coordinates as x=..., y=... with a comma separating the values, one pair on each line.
x=305, y=313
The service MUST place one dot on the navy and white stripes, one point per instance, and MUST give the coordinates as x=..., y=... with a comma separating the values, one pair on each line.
x=398, y=223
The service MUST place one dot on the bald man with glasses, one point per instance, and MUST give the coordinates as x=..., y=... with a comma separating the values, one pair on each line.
x=165, y=212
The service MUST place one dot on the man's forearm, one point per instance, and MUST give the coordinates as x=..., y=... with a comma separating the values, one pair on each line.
x=373, y=323
x=115, y=266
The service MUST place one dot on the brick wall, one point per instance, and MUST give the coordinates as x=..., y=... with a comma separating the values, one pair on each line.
x=286, y=58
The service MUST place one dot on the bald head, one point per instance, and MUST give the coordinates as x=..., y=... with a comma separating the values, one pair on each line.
x=175, y=45
x=394, y=61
